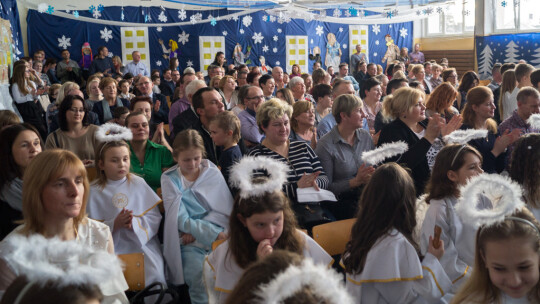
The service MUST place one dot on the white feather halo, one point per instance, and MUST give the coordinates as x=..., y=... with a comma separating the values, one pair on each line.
x=534, y=121
x=377, y=156
x=505, y=196
x=64, y=262
x=113, y=132
x=464, y=136
x=241, y=175
x=323, y=281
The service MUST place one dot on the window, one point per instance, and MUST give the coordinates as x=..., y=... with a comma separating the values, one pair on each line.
x=517, y=15
x=456, y=19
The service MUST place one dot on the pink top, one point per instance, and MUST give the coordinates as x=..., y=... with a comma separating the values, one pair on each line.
x=370, y=116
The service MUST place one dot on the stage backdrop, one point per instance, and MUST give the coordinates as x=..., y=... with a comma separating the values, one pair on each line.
x=264, y=35
x=506, y=48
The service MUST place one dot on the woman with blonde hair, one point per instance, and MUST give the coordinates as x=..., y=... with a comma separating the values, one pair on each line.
x=105, y=107
x=420, y=75
x=308, y=81
x=440, y=101
x=303, y=123
x=296, y=71
x=55, y=193
x=227, y=90
x=435, y=79
x=478, y=114
x=286, y=95
x=119, y=69
x=509, y=83
x=93, y=91
x=406, y=109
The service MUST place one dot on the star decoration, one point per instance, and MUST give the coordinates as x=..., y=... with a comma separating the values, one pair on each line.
x=265, y=48
x=158, y=63
x=319, y=30
x=257, y=37
x=376, y=29
x=224, y=33
x=189, y=63
x=340, y=29
x=241, y=31
x=275, y=38
x=278, y=63
x=279, y=30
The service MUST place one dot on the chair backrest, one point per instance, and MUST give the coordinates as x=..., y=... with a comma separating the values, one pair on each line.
x=333, y=237
x=484, y=82
x=134, y=271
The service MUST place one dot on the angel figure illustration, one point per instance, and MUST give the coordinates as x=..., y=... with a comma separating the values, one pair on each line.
x=172, y=52
x=315, y=55
x=333, y=52
x=239, y=57
x=392, y=51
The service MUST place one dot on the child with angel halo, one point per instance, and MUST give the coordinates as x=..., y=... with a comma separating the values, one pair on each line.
x=507, y=249
x=261, y=221
x=197, y=205
x=382, y=260
x=125, y=202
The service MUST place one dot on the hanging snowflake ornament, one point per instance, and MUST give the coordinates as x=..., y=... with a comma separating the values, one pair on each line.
x=210, y=17
x=241, y=31
x=344, y=46
x=182, y=15
x=319, y=30
x=376, y=29
x=440, y=10
x=257, y=38
x=275, y=38
x=279, y=30
x=50, y=9
x=340, y=29
x=213, y=21
x=466, y=13
x=375, y=54
x=353, y=11
x=189, y=63
x=516, y=3
x=183, y=38
x=224, y=33
x=96, y=14
x=337, y=13
x=162, y=17
x=278, y=63
x=265, y=48
x=246, y=21
x=403, y=32
x=377, y=42
x=504, y=4
x=64, y=42
x=92, y=9
x=265, y=18
x=395, y=12
x=100, y=8
x=193, y=19
x=274, y=50
x=347, y=13
x=106, y=34
x=76, y=14
x=418, y=12
x=272, y=18
x=389, y=14
x=42, y=7
x=429, y=10
x=159, y=29
x=235, y=18
x=158, y=63
x=110, y=54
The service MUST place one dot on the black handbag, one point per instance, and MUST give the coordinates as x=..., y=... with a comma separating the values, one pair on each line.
x=149, y=290
x=309, y=215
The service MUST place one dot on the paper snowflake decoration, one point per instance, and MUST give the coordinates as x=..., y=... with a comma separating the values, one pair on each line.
x=274, y=50
x=224, y=33
x=101, y=8
x=265, y=48
x=110, y=55
x=106, y=34
x=257, y=38
x=337, y=13
x=50, y=9
x=418, y=12
x=76, y=14
x=247, y=20
x=279, y=30
x=340, y=29
x=122, y=15
x=189, y=63
x=504, y=4
x=42, y=7
x=345, y=46
x=64, y=42
x=275, y=38
x=158, y=63
x=353, y=11
x=403, y=32
x=96, y=14
x=241, y=31
x=162, y=17
x=235, y=18
x=466, y=13
x=377, y=42
x=182, y=15
x=159, y=29
x=440, y=10
x=193, y=19
x=390, y=26
x=389, y=14
x=516, y=3
x=347, y=13
x=272, y=18
x=376, y=29
x=428, y=11
x=210, y=17
x=395, y=12
x=278, y=63
x=319, y=30
x=91, y=8
x=213, y=21
x=183, y=38
x=265, y=18
x=375, y=54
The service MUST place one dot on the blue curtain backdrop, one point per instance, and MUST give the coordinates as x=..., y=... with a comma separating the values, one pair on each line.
x=9, y=11
x=45, y=29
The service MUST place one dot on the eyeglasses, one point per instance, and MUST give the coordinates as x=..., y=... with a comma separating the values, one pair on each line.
x=75, y=110
x=260, y=97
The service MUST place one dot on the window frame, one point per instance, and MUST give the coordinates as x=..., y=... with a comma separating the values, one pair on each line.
x=517, y=22
x=442, y=20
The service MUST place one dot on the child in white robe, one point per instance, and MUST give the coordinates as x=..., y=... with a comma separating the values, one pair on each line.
x=381, y=260
x=261, y=221
x=197, y=206
x=454, y=165
x=506, y=268
x=128, y=206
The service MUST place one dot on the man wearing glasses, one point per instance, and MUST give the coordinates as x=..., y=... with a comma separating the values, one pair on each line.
x=248, y=122
x=161, y=108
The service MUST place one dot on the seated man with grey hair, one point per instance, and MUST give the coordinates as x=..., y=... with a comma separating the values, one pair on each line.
x=298, y=89
x=189, y=117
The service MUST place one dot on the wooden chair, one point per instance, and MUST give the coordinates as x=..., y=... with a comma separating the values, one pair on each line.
x=484, y=82
x=167, y=129
x=333, y=237
x=134, y=270
x=169, y=103
x=92, y=173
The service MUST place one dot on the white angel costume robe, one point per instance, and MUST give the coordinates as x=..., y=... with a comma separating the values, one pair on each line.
x=97, y=236
x=393, y=273
x=221, y=273
x=441, y=212
x=105, y=204
x=200, y=208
